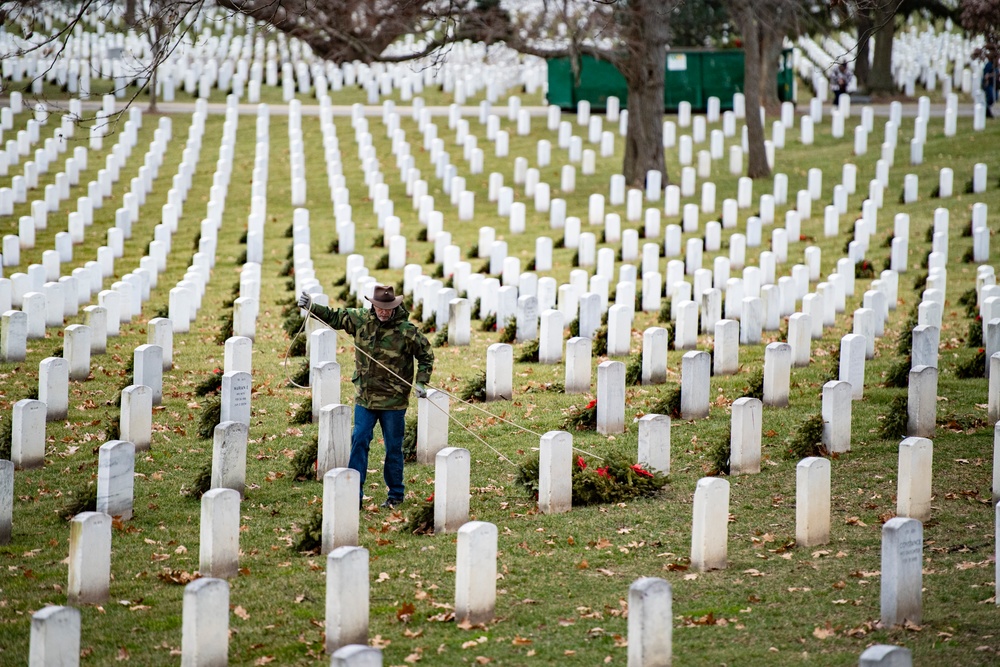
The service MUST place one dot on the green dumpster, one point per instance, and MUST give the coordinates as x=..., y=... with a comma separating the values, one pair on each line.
x=691, y=75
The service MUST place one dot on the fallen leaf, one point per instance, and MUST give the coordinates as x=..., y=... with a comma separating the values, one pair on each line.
x=241, y=612
x=405, y=611
x=824, y=632
x=264, y=660
x=177, y=577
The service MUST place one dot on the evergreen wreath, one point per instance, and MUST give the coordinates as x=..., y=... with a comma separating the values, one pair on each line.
x=305, y=460
x=808, y=439
x=613, y=480
x=581, y=419
x=972, y=368
x=210, y=385
x=893, y=426
x=474, y=389
x=421, y=519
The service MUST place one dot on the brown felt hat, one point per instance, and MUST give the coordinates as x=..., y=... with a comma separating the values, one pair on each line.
x=385, y=297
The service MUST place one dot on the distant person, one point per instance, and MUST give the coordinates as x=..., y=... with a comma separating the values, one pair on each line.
x=990, y=86
x=840, y=78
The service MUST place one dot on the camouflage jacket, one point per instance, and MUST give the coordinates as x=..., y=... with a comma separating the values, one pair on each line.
x=394, y=343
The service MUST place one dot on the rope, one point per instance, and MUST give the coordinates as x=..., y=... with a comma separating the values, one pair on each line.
x=409, y=383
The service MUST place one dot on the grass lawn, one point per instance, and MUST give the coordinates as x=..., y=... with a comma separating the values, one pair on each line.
x=563, y=580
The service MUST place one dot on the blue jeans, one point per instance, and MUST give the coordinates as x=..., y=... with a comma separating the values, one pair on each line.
x=393, y=424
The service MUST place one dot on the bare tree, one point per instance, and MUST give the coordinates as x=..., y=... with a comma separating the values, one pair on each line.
x=982, y=17
x=165, y=23
x=630, y=34
x=764, y=24
x=750, y=16
x=883, y=16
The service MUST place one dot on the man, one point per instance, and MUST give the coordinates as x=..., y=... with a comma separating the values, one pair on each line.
x=840, y=79
x=990, y=85
x=381, y=334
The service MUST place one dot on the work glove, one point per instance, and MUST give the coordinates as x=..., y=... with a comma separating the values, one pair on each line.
x=420, y=389
x=304, y=301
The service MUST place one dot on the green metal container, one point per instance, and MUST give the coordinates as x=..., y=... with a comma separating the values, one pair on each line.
x=692, y=75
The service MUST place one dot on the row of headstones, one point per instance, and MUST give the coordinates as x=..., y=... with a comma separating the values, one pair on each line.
x=482, y=246
x=124, y=300
x=898, y=225
x=55, y=630
x=397, y=249
x=116, y=306
x=209, y=63
x=28, y=416
x=186, y=296
x=44, y=156
x=685, y=149
x=347, y=580
x=813, y=60
x=47, y=297
x=97, y=190
x=900, y=244
x=117, y=458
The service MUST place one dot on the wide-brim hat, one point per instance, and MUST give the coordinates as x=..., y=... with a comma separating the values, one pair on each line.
x=384, y=296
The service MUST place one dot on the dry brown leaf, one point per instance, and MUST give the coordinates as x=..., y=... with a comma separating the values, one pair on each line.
x=405, y=611
x=824, y=632
x=264, y=660
x=122, y=654
x=521, y=641
x=177, y=577
x=241, y=612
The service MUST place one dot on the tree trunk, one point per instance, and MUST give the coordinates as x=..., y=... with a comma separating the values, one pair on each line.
x=770, y=49
x=152, y=89
x=644, y=139
x=130, y=13
x=861, y=65
x=644, y=67
x=880, y=77
x=757, y=166
x=156, y=33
